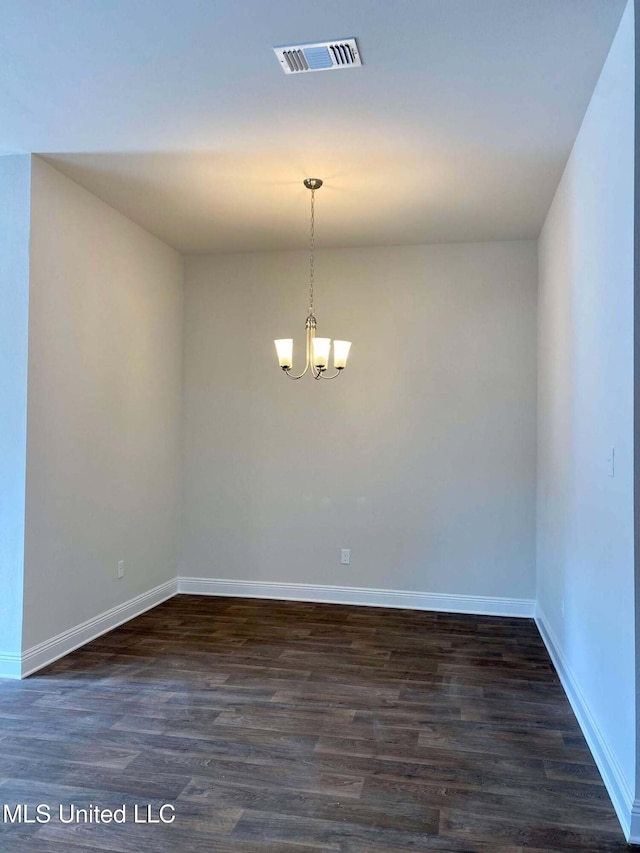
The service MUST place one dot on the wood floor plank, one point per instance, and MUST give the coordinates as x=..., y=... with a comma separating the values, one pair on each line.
x=293, y=727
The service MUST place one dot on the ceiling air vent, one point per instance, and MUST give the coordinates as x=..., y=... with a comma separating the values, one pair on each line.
x=319, y=56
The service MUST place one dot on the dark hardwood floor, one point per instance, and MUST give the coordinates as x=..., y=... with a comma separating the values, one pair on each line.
x=292, y=727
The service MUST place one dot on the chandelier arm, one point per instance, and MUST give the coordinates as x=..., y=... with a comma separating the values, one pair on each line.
x=335, y=375
x=291, y=375
x=309, y=337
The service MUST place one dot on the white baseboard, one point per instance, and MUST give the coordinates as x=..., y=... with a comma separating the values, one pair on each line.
x=480, y=605
x=10, y=665
x=634, y=824
x=50, y=650
x=621, y=795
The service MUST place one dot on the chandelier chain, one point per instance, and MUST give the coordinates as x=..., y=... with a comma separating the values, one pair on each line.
x=311, y=248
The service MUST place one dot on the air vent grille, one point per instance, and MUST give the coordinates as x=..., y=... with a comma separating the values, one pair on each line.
x=319, y=56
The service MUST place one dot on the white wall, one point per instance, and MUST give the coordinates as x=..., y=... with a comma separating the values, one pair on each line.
x=420, y=458
x=585, y=517
x=104, y=420
x=14, y=318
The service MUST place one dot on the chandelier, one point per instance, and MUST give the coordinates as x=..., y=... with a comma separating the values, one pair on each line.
x=318, y=349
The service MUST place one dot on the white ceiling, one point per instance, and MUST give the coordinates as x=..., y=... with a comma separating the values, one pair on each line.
x=177, y=113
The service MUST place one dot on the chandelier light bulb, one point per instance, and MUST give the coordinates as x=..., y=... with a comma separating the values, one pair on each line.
x=321, y=348
x=341, y=354
x=284, y=348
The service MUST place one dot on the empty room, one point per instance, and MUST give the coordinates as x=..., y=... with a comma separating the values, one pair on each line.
x=317, y=416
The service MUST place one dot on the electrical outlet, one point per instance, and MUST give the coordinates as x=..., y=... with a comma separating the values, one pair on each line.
x=345, y=557
x=120, y=568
